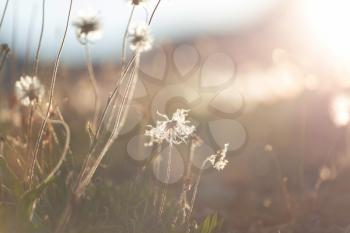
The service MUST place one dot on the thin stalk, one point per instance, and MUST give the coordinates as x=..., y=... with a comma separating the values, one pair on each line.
x=1, y=156
x=63, y=156
x=280, y=174
x=14, y=70
x=4, y=141
x=36, y=63
x=1, y=146
x=100, y=150
x=121, y=115
x=126, y=36
x=154, y=11
x=131, y=62
x=98, y=132
x=4, y=52
x=29, y=130
x=93, y=85
x=165, y=190
x=52, y=89
x=90, y=165
x=111, y=98
x=29, y=123
x=186, y=183
x=157, y=191
x=4, y=12
x=29, y=39
x=195, y=190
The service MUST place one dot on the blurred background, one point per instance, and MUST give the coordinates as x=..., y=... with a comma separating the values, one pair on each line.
x=268, y=76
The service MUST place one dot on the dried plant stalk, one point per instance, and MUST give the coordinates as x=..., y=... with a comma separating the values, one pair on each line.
x=165, y=189
x=36, y=63
x=51, y=93
x=125, y=37
x=93, y=85
x=4, y=12
x=108, y=129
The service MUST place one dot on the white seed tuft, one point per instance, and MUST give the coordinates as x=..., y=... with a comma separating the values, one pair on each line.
x=175, y=130
x=29, y=90
x=88, y=26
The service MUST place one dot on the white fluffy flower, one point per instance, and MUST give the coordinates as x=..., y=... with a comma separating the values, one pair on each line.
x=87, y=26
x=29, y=90
x=175, y=130
x=219, y=160
x=139, y=38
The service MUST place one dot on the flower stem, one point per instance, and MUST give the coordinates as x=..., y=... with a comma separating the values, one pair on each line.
x=3, y=54
x=186, y=183
x=36, y=63
x=125, y=37
x=154, y=11
x=157, y=189
x=64, y=153
x=29, y=130
x=120, y=118
x=119, y=82
x=93, y=84
x=4, y=12
x=103, y=140
x=195, y=190
x=52, y=90
x=167, y=178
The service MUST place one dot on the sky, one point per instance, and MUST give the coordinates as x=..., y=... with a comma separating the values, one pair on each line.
x=175, y=20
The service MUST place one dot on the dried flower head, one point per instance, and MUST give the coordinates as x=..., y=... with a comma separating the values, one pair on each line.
x=87, y=26
x=175, y=130
x=139, y=38
x=29, y=90
x=137, y=2
x=219, y=160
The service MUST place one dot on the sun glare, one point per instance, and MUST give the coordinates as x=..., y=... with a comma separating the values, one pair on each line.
x=329, y=21
x=340, y=110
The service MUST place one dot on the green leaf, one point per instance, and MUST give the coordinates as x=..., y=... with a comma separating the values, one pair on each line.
x=211, y=224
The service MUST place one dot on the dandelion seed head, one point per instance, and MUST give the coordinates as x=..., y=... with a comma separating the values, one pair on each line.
x=139, y=38
x=88, y=26
x=219, y=160
x=29, y=90
x=176, y=130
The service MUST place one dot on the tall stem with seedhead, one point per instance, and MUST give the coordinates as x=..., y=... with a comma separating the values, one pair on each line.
x=51, y=93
